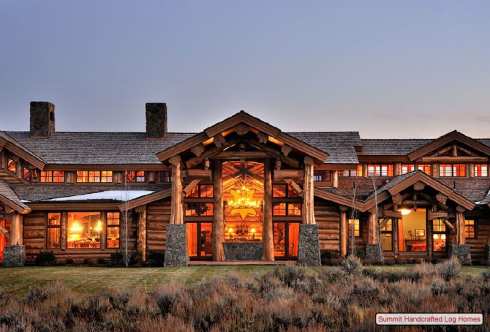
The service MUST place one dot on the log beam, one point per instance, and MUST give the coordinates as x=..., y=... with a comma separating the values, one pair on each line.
x=190, y=187
x=296, y=187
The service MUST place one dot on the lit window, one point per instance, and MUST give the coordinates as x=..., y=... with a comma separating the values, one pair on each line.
x=197, y=209
x=294, y=209
x=84, y=230
x=438, y=235
x=279, y=209
x=12, y=166
x=480, y=170
x=386, y=230
x=469, y=229
x=135, y=176
x=452, y=170
x=113, y=229
x=202, y=191
x=318, y=178
x=53, y=176
x=426, y=168
x=53, y=240
x=379, y=170
x=355, y=226
x=407, y=168
x=106, y=176
x=27, y=174
x=351, y=172
x=279, y=190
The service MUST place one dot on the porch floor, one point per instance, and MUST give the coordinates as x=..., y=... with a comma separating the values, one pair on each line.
x=225, y=263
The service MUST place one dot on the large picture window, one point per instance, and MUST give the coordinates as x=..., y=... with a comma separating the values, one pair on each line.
x=53, y=238
x=84, y=230
x=113, y=229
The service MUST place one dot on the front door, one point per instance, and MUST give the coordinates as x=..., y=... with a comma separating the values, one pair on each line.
x=286, y=238
x=199, y=243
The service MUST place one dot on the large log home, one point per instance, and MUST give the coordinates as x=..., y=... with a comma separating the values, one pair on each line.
x=240, y=189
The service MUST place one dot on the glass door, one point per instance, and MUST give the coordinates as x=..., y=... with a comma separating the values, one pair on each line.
x=286, y=238
x=199, y=242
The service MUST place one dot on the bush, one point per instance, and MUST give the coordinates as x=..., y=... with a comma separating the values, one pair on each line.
x=289, y=275
x=352, y=265
x=449, y=268
x=45, y=258
x=156, y=258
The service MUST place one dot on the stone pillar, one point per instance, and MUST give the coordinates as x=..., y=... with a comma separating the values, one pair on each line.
x=309, y=243
x=176, y=245
x=343, y=231
x=268, y=236
x=374, y=253
x=218, y=234
x=460, y=249
x=14, y=254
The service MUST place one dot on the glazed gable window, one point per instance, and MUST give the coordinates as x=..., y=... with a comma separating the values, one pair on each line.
x=480, y=170
x=53, y=238
x=135, y=176
x=452, y=170
x=52, y=176
x=84, y=230
x=94, y=176
x=12, y=165
x=379, y=170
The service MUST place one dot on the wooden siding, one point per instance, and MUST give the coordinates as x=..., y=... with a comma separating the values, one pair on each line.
x=157, y=218
x=478, y=244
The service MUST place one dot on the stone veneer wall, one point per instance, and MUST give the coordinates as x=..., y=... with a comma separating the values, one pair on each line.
x=237, y=251
x=309, y=245
x=176, y=250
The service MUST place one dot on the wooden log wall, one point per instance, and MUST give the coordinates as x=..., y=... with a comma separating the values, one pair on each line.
x=478, y=244
x=327, y=216
x=157, y=218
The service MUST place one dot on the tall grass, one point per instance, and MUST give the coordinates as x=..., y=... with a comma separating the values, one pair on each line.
x=286, y=299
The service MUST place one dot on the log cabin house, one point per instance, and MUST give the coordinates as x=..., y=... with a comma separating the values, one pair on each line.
x=240, y=189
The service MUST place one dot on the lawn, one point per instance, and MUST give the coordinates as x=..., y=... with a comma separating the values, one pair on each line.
x=91, y=280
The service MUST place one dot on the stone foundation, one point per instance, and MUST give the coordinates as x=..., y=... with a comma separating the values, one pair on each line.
x=309, y=245
x=374, y=254
x=176, y=246
x=238, y=251
x=462, y=252
x=14, y=256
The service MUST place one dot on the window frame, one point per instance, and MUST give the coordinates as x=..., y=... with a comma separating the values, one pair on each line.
x=108, y=226
x=480, y=170
x=50, y=177
x=455, y=170
x=49, y=226
x=439, y=232
x=354, y=222
x=474, y=226
x=376, y=170
x=384, y=230
x=101, y=236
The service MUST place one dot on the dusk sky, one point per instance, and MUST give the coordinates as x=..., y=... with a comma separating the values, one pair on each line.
x=385, y=68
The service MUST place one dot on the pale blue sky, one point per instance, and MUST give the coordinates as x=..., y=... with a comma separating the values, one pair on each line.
x=385, y=68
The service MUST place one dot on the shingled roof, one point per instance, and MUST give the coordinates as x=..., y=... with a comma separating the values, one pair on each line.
x=98, y=147
x=10, y=198
x=338, y=145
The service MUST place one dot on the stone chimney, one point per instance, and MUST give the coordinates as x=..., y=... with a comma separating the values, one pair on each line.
x=156, y=120
x=42, y=119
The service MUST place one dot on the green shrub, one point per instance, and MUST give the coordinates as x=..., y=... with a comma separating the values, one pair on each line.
x=352, y=265
x=45, y=258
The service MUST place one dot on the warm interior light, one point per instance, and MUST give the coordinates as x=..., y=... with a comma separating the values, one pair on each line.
x=98, y=226
x=253, y=231
x=405, y=212
x=76, y=227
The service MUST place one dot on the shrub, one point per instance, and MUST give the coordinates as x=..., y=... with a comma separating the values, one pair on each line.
x=438, y=286
x=117, y=259
x=45, y=258
x=352, y=265
x=449, y=268
x=156, y=258
x=36, y=295
x=289, y=275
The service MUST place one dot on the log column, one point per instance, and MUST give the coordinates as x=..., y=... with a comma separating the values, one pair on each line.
x=176, y=245
x=176, y=209
x=308, y=193
x=15, y=229
x=142, y=232
x=14, y=254
x=372, y=229
x=374, y=253
x=460, y=236
x=460, y=249
x=268, y=237
x=219, y=222
x=309, y=244
x=343, y=231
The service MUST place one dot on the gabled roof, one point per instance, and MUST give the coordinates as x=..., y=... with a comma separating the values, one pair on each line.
x=20, y=150
x=446, y=139
x=10, y=199
x=486, y=200
x=247, y=119
x=402, y=182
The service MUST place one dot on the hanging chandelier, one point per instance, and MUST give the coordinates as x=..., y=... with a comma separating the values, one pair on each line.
x=243, y=198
